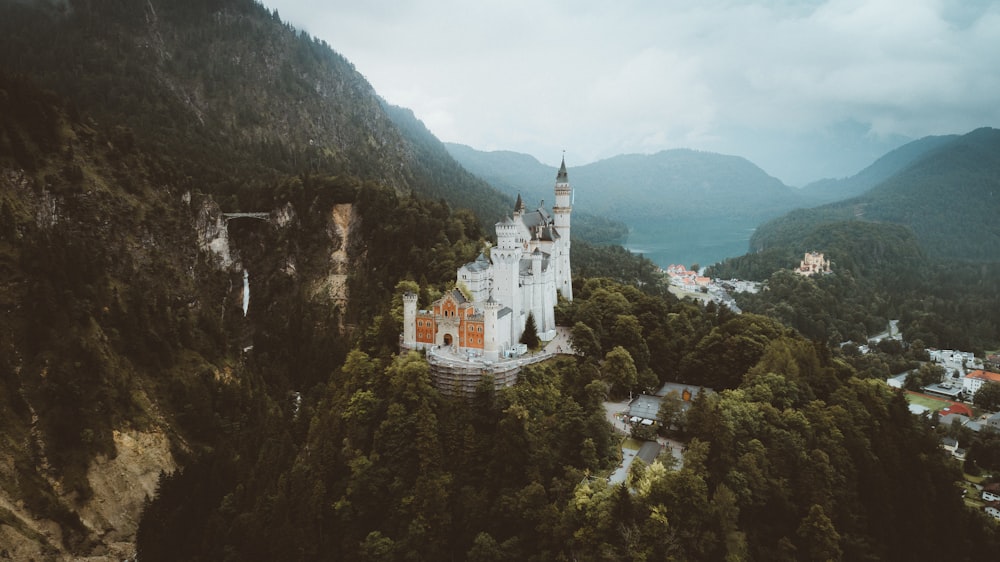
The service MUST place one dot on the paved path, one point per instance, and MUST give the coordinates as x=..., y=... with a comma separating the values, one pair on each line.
x=614, y=412
x=560, y=343
x=618, y=476
x=676, y=449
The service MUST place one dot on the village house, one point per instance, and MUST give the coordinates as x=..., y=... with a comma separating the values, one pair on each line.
x=993, y=422
x=976, y=379
x=993, y=510
x=687, y=279
x=644, y=408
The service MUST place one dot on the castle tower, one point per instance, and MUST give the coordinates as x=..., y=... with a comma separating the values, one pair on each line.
x=409, y=319
x=519, y=206
x=490, y=344
x=537, y=295
x=506, y=258
x=561, y=215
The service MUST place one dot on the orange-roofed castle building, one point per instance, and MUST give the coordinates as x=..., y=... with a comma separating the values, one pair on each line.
x=523, y=275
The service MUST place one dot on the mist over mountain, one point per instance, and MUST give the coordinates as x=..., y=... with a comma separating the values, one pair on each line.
x=669, y=184
x=182, y=381
x=922, y=246
x=829, y=190
x=945, y=189
x=681, y=206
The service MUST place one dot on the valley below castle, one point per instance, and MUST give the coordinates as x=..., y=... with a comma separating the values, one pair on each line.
x=230, y=270
x=690, y=241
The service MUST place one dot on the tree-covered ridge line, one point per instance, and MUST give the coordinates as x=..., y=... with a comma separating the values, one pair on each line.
x=829, y=190
x=303, y=441
x=947, y=196
x=921, y=246
x=113, y=319
x=879, y=272
x=669, y=184
x=231, y=95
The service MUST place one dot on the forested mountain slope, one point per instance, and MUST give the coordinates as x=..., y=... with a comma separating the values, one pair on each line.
x=233, y=95
x=949, y=197
x=291, y=429
x=829, y=190
x=124, y=350
x=113, y=337
x=511, y=172
x=922, y=246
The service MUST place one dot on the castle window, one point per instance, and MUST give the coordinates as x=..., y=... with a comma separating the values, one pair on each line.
x=480, y=329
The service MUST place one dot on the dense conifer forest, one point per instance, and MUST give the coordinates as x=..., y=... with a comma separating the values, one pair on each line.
x=297, y=431
x=881, y=271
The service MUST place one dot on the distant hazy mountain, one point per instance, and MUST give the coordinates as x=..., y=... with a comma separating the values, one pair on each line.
x=673, y=183
x=515, y=174
x=511, y=172
x=681, y=206
x=949, y=196
x=829, y=190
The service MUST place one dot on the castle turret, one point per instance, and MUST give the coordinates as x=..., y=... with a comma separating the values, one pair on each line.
x=490, y=344
x=561, y=218
x=409, y=319
x=506, y=258
x=519, y=206
x=537, y=292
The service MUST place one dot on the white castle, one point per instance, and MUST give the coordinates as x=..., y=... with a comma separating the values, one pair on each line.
x=523, y=275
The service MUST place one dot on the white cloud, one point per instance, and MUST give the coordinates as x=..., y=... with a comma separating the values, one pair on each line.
x=601, y=78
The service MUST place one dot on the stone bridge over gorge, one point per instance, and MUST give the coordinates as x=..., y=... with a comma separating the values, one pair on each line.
x=259, y=216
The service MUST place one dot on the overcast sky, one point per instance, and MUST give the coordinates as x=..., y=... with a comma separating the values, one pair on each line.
x=804, y=89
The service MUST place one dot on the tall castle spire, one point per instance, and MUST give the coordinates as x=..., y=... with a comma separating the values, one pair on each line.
x=562, y=211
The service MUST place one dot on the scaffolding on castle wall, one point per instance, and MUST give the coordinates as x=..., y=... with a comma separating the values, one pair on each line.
x=458, y=376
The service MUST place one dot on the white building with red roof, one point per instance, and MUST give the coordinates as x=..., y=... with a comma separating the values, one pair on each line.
x=976, y=379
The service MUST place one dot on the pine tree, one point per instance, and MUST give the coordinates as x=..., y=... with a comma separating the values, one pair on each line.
x=530, y=335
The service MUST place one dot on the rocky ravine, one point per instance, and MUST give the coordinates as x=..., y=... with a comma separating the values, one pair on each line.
x=121, y=486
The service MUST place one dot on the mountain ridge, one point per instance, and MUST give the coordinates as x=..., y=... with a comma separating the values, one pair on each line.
x=955, y=224
x=635, y=185
x=235, y=117
x=829, y=190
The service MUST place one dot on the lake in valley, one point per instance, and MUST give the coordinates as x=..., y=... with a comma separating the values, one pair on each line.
x=690, y=241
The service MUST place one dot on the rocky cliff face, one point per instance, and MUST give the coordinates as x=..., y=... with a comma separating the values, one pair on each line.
x=100, y=266
x=333, y=287
x=213, y=234
x=121, y=486
x=124, y=352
